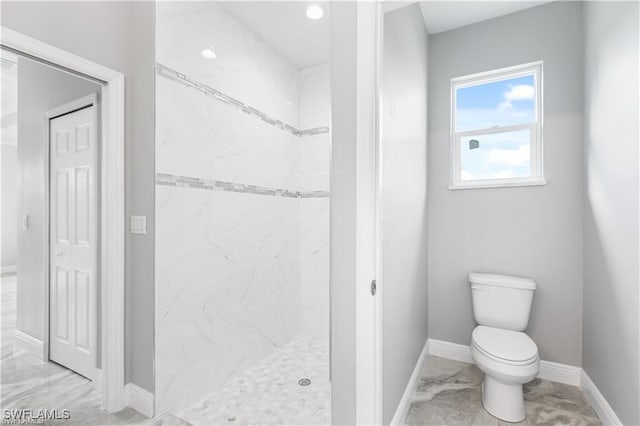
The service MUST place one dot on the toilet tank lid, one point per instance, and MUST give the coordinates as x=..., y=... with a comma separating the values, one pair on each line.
x=501, y=280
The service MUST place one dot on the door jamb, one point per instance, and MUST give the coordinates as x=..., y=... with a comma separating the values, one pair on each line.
x=67, y=108
x=379, y=221
x=112, y=196
x=354, y=133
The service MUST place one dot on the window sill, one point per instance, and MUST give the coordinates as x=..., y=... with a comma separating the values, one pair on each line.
x=509, y=184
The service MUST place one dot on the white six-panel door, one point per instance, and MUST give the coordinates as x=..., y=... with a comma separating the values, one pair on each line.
x=73, y=250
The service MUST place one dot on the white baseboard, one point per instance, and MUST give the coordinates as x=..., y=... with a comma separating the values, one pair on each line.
x=27, y=343
x=407, y=396
x=552, y=371
x=139, y=399
x=450, y=350
x=598, y=402
x=10, y=269
x=560, y=373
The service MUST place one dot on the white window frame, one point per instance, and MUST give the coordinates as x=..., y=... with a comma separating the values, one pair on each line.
x=537, y=169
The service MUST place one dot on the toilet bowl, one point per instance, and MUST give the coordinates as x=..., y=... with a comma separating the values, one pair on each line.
x=499, y=347
x=508, y=359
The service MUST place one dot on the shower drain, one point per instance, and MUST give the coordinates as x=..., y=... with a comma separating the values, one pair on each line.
x=304, y=382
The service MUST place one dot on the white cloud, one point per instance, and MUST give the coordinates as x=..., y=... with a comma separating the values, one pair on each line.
x=466, y=175
x=518, y=92
x=510, y=157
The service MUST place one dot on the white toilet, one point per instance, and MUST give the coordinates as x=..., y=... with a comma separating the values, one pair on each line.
x=507, y=356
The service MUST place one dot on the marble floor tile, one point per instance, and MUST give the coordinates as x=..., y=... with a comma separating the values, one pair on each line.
x=30, y=383
x=270, y=392
x=449, y=393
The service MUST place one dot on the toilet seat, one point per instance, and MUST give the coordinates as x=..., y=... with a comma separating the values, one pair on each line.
x=505, y=346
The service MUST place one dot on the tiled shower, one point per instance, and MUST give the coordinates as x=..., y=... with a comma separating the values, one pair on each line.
x=242, y=224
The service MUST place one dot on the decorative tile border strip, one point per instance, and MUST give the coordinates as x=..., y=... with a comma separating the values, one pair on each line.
x=171, y=74
x=314, y=131
x=219, y=185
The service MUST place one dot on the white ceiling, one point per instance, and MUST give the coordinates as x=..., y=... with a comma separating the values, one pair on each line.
x=286, y=28
x=446, y=15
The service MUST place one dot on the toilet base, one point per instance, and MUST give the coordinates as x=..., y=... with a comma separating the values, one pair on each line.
x=506, y=402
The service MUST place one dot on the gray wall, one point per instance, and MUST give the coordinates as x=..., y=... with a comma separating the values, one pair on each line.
x=9, y=213
x=141, y=181
x=119, y=35
x=530, y=231
x=403, y=200
x=610, y=336
x=40, y=88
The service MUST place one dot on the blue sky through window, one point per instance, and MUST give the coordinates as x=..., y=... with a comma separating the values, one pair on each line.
x=500, y=103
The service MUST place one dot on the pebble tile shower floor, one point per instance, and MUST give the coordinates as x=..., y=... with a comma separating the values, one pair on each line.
x=270, y=393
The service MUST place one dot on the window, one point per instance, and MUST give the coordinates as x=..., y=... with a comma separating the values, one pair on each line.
x=496, y=128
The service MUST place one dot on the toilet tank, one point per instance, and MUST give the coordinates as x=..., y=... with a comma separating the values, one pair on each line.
x=501, y=301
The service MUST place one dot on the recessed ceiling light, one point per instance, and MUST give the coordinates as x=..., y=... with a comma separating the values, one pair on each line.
x=315, y=12
x=208, y=53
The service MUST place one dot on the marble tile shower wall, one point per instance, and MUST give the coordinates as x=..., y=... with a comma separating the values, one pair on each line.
x=242, y=222
x=245, y=68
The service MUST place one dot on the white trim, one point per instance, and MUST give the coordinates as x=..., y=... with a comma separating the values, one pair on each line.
x=536, y=133
x=10, y=269
x=499, y=183
x=46, y=248
x=450, y=350
x=354, y=94
x=112, y=232
x=27, y=343
x=560, y=373
x=112, y=217
x=551, y=371
x=407, y=397
x=496, y=130
x=139, y=399
x=379, y=404
x=367, y=101
x=598, y=401
x=485, y=77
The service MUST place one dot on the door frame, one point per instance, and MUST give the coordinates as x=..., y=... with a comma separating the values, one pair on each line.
x=379, y=219
x=355, y=360
x=60, y=110
x=112, y=195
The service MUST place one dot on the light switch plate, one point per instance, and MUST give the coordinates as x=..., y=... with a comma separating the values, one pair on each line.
x=139, y=225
